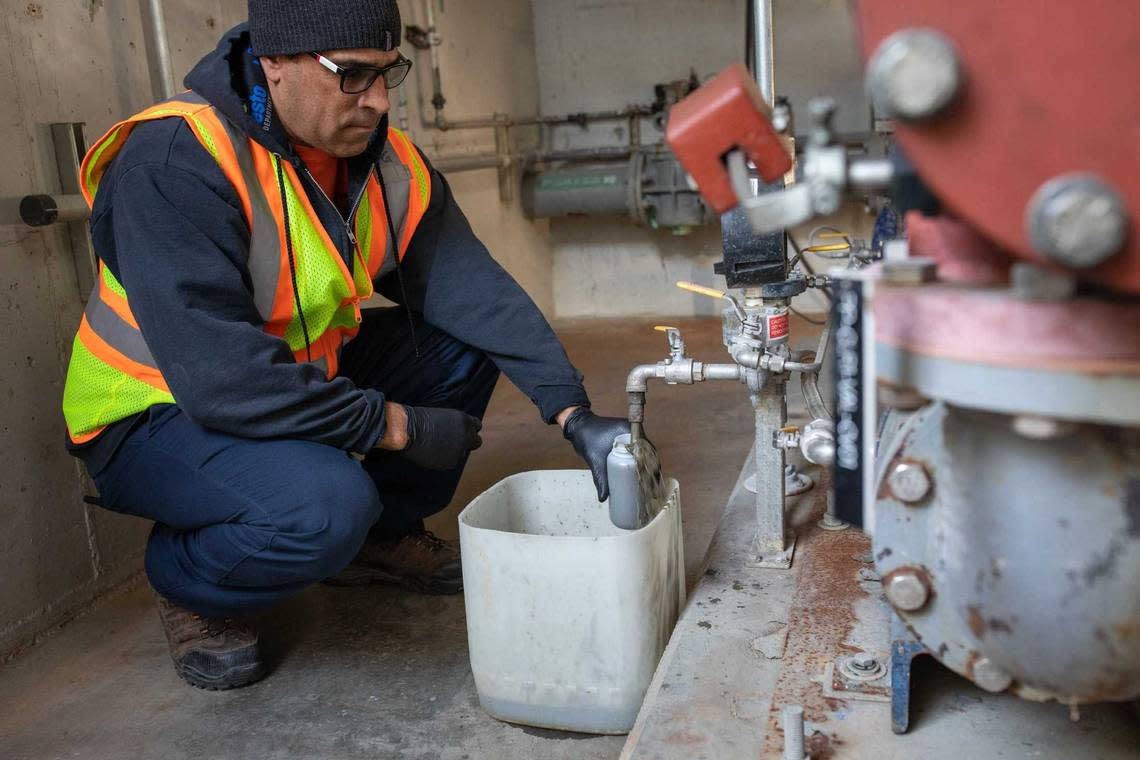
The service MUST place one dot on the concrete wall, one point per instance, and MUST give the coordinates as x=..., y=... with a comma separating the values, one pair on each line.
x=604, y=55
x=63, y=60
x=84, y=60
x=487, y=66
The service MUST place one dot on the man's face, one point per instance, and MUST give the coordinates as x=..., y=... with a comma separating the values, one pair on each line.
x=312, y=108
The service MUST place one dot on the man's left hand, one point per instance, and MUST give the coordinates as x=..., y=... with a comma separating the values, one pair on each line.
x=593, y=439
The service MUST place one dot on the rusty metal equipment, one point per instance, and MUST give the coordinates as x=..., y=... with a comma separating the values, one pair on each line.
x=987, y=430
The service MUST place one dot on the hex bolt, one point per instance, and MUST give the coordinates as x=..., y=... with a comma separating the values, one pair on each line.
x=907, y=590
x=990, y=677
x=909, y=482
x=1077, y=220
x=914, y=74
x=793, y=719
x=861, y=667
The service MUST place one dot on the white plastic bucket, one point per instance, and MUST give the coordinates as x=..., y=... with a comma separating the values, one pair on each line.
x=567, y=615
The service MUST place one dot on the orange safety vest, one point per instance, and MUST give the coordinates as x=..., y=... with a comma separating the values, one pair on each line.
x=112, y=373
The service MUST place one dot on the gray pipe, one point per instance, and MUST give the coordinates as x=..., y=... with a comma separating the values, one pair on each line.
x=42, y=210
x=158, y=49
x=438, y=101
x=763, y=53
x=722, y=371
x=871, y=173
x=581, y=119
x=463, y=163
x=454, y=164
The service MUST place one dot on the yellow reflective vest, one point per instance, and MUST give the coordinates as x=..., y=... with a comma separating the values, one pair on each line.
x=113, y=375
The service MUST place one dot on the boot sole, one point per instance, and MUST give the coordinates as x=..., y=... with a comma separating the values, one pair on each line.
x=234, y=678
x=360, y=576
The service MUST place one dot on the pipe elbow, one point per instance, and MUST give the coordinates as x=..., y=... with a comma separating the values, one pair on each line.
x=746, y=357
x=639, y=376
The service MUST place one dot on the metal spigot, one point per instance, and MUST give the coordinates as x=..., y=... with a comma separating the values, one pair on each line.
x=677, y=369
x=676, y=342
x=692, y=287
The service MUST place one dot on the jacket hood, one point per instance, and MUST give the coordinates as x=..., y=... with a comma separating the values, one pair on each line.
x=230, y=79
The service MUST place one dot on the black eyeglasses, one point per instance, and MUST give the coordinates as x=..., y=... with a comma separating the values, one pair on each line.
x=356, y=79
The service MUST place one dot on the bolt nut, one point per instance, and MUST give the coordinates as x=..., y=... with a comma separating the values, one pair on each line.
x=861, y=667
x=914, y=74
x=1077, y=220
x=907, y=590
x=909, y=482
x=990, y=677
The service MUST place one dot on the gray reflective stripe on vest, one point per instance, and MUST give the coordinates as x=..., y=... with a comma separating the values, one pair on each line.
x=117, y=332
x=264, y=262
x=397, y=190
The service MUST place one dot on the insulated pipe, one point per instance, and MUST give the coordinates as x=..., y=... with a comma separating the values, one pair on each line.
x=158, y=49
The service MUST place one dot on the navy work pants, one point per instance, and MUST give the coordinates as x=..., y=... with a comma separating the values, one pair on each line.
x=241, y=524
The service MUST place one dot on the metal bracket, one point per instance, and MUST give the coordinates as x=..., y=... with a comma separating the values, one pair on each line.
x=904, y=648
x=761, y=555
x=506, y=166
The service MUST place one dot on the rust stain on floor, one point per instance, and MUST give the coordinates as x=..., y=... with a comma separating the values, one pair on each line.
x=821, y=617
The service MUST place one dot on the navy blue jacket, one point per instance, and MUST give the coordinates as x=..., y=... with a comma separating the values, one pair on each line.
x=169, y=226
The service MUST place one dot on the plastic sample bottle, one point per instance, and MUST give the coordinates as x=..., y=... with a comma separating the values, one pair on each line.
x=627, y=509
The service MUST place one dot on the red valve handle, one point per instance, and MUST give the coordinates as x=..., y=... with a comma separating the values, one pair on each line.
x=727, y=112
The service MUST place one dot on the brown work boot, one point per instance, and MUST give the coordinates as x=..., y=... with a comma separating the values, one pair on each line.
x=210, y=653
x=420, y=561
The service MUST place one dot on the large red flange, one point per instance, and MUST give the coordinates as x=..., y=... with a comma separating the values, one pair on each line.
x=1049, y=89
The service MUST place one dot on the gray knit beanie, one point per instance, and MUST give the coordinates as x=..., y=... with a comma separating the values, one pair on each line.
x=284, y=27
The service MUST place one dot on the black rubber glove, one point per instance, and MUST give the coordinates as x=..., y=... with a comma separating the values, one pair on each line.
x=593, y=439
x=440, y=439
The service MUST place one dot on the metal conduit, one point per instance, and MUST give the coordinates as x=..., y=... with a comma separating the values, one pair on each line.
x=438, y=101
x=157, y=49
x=763, y=52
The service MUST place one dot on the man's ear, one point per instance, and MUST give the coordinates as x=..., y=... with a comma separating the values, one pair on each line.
x=273, y=65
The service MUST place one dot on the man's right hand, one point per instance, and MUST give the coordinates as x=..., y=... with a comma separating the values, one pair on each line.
x=438, y=439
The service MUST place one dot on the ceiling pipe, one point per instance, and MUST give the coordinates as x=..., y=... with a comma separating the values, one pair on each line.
x=157, y=49
x=763, y=55
x=442, y=123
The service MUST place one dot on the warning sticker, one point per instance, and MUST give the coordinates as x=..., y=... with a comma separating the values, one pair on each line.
x=777, y=326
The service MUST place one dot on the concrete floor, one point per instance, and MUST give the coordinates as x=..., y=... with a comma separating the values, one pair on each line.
x=368, y=672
